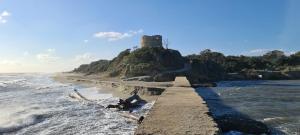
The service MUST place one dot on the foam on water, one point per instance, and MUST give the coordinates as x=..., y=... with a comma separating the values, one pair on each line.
x=35, y=104
x=93, y=94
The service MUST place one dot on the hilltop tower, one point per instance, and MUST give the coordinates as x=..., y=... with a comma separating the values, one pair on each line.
x=151, y=41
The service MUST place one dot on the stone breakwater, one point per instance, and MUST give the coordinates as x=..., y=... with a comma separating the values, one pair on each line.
x=179, y=110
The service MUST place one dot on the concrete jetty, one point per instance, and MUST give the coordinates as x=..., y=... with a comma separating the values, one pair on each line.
x=178, y=111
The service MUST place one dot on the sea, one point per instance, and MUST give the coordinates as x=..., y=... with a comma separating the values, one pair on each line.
x=275, y=103
x=35, y=104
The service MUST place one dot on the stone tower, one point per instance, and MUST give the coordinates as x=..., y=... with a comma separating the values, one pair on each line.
x=151, y=41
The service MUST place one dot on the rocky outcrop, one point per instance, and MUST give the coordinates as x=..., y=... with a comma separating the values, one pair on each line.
x=293, y=74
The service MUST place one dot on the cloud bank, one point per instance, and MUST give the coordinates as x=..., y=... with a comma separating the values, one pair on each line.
x=260, y=52
x=114, y=36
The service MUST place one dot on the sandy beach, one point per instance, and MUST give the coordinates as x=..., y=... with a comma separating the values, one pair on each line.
x=115, y=86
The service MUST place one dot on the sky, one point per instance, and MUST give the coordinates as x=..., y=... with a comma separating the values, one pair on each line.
x=59, y=35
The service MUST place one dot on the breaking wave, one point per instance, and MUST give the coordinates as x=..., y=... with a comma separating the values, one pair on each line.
x=35, y=104
x=23, y=123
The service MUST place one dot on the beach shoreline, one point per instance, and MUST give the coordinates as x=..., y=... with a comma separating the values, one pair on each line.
x=114, y=86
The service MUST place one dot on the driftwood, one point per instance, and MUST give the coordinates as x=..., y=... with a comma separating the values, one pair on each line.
x=129, y=116
x=133, y=117
x=77, y=95
x=130, y=102
x=75, y=90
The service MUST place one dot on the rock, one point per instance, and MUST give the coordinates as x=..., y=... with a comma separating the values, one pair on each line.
x=293, y=74
x=242, y=124
x=164, y=77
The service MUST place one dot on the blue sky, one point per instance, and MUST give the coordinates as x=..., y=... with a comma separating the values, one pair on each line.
x=58, y=35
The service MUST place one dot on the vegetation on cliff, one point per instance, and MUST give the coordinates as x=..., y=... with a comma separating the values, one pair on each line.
x=94, y=67
x=272, y=65
x=159, y=63
x=146, y=61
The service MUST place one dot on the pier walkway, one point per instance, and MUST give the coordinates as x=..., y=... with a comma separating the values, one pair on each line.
x=178, y=111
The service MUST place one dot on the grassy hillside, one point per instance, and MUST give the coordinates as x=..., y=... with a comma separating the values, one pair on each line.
x=140, y=62
x=94, y=67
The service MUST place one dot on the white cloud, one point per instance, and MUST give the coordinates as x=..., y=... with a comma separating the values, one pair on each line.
x=3, y=21
x=50, y=50
x=48, y=56
x=5, y=13
x=260, y=52
x=84, y=58
x=85, y=41
x=113, y=36
x=10, y=62
x=289, y=53
x=3, y=16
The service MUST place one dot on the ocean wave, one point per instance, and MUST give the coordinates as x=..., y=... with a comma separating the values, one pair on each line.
x=271, y=119
x=12, y=82
x=3, y=85
x=41, y=87
x=39, y=105
x=23, y=123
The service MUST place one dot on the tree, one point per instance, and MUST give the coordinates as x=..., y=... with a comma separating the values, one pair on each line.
x=275, y=57
x=166, y=43
x=216, y=57
x=294, y=59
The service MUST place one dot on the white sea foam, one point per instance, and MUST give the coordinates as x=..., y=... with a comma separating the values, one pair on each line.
x=34, y=104
x=93, y=94
x=12, y=82
x=273, y=118
x=3, y=84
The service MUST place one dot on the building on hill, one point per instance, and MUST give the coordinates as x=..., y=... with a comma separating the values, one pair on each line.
x=151, y=41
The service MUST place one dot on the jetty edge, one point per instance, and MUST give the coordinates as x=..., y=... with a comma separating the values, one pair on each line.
x=179, y=110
